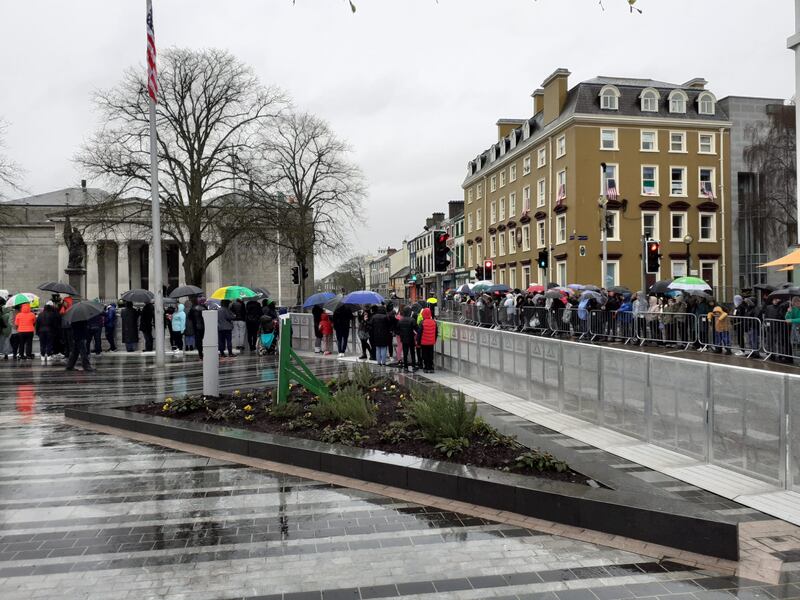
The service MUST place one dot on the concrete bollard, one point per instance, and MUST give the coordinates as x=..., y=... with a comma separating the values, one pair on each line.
x=210, y=354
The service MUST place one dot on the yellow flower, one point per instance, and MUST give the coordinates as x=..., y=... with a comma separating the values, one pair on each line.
x=248, y=408
x=249, y=418
x=168, y=399
x=165, y=407
x=392, y=387
x=235, y=392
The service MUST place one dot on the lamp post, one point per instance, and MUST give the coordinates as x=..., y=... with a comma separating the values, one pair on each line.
x=688, y=239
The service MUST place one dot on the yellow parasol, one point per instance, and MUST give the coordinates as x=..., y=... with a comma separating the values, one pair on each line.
x=793, y=258
x=789, y=268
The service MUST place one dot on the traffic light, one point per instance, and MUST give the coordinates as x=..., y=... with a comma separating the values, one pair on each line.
x=653, y=257
x=479, y=273
x=295, y=275
x=305, y=272
x=542, y=260
x=441, y=253
x=488, y=266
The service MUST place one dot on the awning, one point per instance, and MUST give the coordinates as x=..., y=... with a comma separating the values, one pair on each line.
x=793, y=258
x=789, y=268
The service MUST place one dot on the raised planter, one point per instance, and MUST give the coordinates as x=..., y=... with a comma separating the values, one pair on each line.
x=652, y=519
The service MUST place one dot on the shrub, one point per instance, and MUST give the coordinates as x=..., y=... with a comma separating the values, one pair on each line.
x=225, y=413
x=287, y=410
x=187, y=404
x=301, y=422
x=362, y=376
x=451, y=446
x=491, y=437
x=541, y=461
x=348, y=404
x=395, y=433
x=346, y=433
x=440, y=415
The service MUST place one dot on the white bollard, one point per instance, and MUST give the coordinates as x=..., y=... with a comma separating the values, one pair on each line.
x=210, y=354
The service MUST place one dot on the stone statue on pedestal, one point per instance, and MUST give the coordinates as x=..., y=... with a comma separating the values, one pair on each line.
x=74, y=241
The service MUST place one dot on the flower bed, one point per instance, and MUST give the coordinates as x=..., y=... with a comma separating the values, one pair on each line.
x=376, y=413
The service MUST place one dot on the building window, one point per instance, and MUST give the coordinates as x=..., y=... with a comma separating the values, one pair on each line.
x=540, y=229
x=512, y=277
x=503, y=178
x=678, y=226
x=612, y=273
x=493, y=183
x=677, y=102
x=501, y=244
x=526, y=165
x=612, y=226
x=526, y=276
x=609, y=98
x=708, y=227
x=677, y=186
x=470, y=193
x=478, y=219
x=479, y=191
x=677, y=141
x=479, y=252
x=501, y=275
x=608, y=139
x=512, y=204
x=541, y=157
x=492, y=246
x=708, y=272
x=502, y=210
x=526, y=199
x=612, y=179
x=649, y=100
x=678, y=268
x=707, y=177
x=561, y=180
x=650, y=225
x=541, y=193
x=512, y=173
x=561, y=146
x=706, y=143
x=512, y=241
x=649, y=141
x=561, y=273
x=526, y=238
x=469, y=256
x=561, y=229
x=706, y=102
x=492, y=212
x=649, y=180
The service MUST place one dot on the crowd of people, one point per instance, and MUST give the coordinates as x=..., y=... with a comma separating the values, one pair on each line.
x=406, y=335
x=672, y=318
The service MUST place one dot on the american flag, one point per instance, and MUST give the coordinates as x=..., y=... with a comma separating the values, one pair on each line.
x=152, y=84
x=562, y=194
x=708, y=191
x=611, y=190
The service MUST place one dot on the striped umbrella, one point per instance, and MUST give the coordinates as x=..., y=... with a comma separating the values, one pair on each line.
x=26, y=298
x=233, y=292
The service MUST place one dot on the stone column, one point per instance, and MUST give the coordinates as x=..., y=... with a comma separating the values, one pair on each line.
x=63, y=261
x=92, y=280
x=123, y=268
x=110, y=274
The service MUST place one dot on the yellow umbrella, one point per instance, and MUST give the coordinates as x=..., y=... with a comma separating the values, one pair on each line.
x=793, y=258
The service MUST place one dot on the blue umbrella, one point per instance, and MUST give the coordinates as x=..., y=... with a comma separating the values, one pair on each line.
x=317, y=299
x=499, y=287
x=363, y=297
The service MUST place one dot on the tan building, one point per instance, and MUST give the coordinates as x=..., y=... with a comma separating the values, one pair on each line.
x=539, y=188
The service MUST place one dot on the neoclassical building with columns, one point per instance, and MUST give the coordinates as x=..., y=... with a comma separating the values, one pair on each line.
x=119, y=258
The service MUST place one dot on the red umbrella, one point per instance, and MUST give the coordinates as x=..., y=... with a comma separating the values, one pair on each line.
x=536, y=289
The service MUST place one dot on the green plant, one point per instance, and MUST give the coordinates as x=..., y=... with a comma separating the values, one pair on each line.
x=362, y=376
x=346, y=433
x=491, y=437
x=187, y=404
x=287, y=410
x=348, y=404
x=451, y=446
x=225, y=413
x=395, y=432
x=301, y=422
x=541, y=461
x=441, y=415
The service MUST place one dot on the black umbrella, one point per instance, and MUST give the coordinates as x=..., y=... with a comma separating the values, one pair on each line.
x=551, y=285
x=59, y=288
x=764, y=286
x=591, y=288
x=263, y=292
x=619, y=289
x=784, y=293
x=83, y=311
x=660, y=287
x=138, y=295
x=185, y=290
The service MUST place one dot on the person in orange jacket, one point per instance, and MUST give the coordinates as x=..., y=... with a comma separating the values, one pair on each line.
x=26, y=325
x=427, y=339
x=326, y=329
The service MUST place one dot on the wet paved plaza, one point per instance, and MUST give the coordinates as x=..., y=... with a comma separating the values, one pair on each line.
x=90, y=515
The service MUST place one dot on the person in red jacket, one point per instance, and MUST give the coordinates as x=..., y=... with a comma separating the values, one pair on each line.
x=326, y=329
x=26, y=324
x=427, y=340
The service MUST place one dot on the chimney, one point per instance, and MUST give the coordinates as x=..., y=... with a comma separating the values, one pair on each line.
x=455, y=208
x=698, y=83
x=555, y=94
x=428, y=223
x=538, y=101
x=437, y=218
x=83, y=184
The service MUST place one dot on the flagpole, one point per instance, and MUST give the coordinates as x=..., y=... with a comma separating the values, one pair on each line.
x=156, y=237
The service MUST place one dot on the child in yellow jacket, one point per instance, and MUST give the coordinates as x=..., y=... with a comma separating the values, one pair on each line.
x=722, y=328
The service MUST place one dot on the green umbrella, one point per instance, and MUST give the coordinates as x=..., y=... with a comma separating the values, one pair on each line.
x=689, y=284
x=26, y=298
x=233, y=292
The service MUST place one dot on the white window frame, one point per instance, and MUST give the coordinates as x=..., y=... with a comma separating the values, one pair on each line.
x=501, y=209
x=706, y=104
x=526, y=275
x=713, y=181
x=683, y=142
x=493, y=183
x=526, y=199
x=470, y=194
x=684, y=99
x=649, y=99
x=512, y=277
x=715, y=271
x=526, y=165
x=609, y=98
x=611, y=263
x=512, y=204
x=478, y=224
x=655, y=140
x=561, y=146
x=713, y=236
x=501, y=244
x=541, y=158
x=492, y=212
x=479, y=191
x=684, y=225
x=503, y=178
x=512, y=173
x=561, y=229
x=469, y=256
x=712, y=142
x=526, y=238
x=541, y=231
x=614, y=144
x=656, y=235
x=614, y=214
x=612, y=172
x=512, y=241
x=541, y=193
x=677, y=263
x=479, y=252
x=655, y=179
x=685, y=192
x=561, y=179
x=469, y=223
x=492, y=246
x=561, y=272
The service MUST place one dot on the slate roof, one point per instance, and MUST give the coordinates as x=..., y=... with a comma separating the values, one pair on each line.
x=401, y=273
x=59, y=197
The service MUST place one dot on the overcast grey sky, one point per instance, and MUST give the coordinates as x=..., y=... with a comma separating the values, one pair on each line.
x=414, y=86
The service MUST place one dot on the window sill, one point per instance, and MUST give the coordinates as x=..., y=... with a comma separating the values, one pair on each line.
x=643, y=195
x=678, y=195
x=678, y=151
x=653, y=151
x=707, y=241
x=609, y=149
x=707, y=153
x=678, y=240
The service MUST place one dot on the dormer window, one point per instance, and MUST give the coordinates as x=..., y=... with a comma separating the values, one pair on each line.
x=493, y=154
x=512, y=140
x=649, y=99
x=526, y=130
x=609, y=98
x=706, y=103
x=677, y=102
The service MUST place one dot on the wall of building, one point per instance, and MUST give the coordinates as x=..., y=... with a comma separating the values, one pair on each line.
x=28, y=257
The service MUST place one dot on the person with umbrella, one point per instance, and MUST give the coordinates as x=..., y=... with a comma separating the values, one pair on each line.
x=5, y=329
x=147, y=320
x=130, y=327
x=225, y=328
x=177, y=327
x=793, y=318
x=77, y=318
x=25, y=321
x=110, y=325
x=407, y=332
x=342, y=321
x=195, y=317
x=252, y=319
x=316, y=314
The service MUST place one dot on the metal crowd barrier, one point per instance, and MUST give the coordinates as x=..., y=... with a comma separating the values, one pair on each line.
x=569, y=321
x=776, y=339
x=667, y=328
x=535, y=319
x=612, y=325
x=735, y=333
x=507, y=318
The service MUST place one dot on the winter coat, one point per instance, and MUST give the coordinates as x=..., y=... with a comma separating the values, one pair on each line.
x=325, y=325
x=225, y=319
x=316, y=314
x=147, y=318
x=25, y=320
x=47, y=321
x=407, y=330
x=342, y=317
x=363, y=328
x=427, y=335
x=253, y=312
x=130, y=325
x=775, y=311
x=721, y=322
x=189, y=330
x=179, y=319
x=110, y=317
x=793, y=315
x=267, y=324
x=5, y=321
x=237, y=308
x=380, y=329
x=195, y=316
x=583, y=311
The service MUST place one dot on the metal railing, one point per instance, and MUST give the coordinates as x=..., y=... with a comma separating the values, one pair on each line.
x=776, y=339
x=667, y=328
x=731, y=333
x=612, y=325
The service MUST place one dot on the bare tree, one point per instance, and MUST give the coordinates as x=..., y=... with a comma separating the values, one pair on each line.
x=351, y=273
x=10, y=172
x=771, y=154
x=311, y=192
x=211, y=108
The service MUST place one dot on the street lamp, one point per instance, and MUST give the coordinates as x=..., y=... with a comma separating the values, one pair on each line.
x=688, y=239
